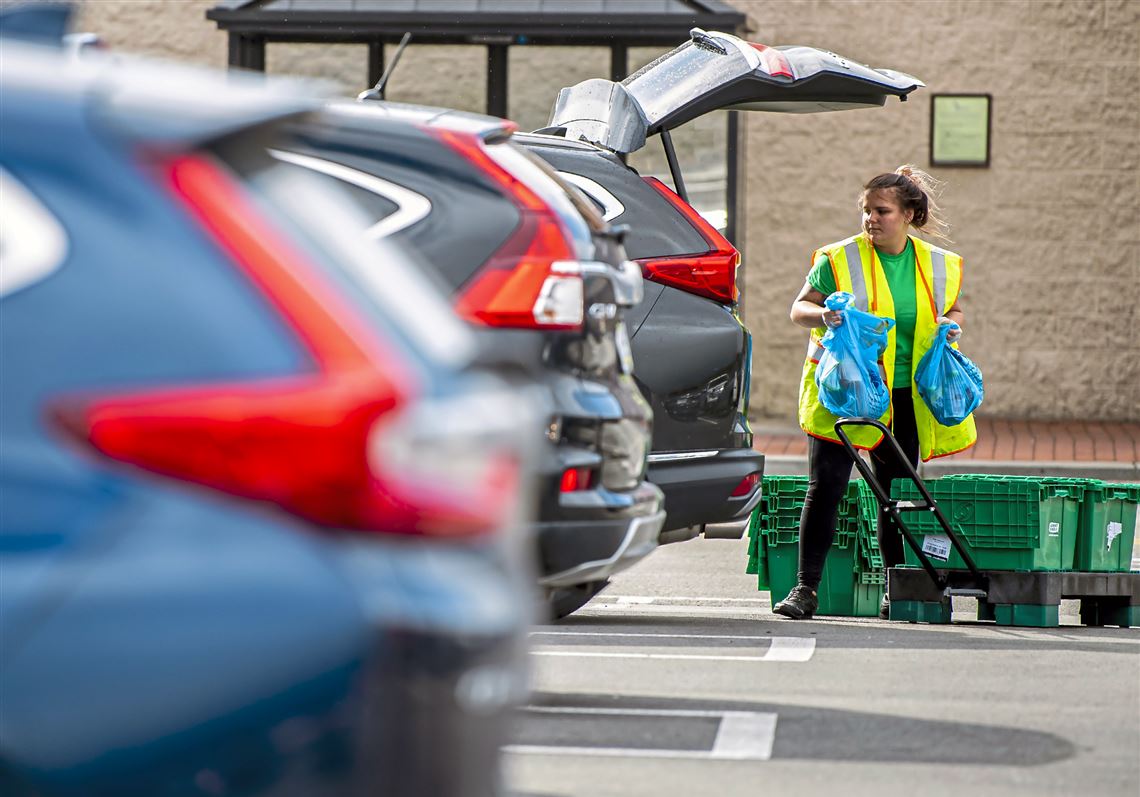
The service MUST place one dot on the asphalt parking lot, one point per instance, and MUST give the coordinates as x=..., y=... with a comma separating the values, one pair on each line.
x=678, y=680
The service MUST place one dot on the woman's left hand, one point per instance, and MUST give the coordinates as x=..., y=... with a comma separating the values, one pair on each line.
x=954, y=333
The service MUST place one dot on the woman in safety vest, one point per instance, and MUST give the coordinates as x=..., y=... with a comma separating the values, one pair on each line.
x=898, y=276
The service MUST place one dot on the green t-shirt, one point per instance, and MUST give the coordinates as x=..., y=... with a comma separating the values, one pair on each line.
x=900, y=279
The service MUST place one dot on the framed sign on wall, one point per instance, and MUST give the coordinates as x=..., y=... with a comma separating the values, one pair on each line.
x=960, y=130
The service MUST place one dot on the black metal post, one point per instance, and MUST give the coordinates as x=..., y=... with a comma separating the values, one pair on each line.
x=497, y=80
x=619, y=62
x=247, y=52
x=375, y=64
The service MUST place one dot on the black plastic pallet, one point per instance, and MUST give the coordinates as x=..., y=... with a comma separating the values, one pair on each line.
x=1017, y=598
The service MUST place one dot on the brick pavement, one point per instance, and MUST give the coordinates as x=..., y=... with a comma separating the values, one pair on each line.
x=1000, y=439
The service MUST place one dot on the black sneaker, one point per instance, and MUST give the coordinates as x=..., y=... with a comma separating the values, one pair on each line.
x=885, y=608
x=800, y=604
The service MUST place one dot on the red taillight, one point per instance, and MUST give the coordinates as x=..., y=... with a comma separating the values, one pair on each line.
x=711, y=274
x=300, y=442
x=747, y=485
x=532, y=281
x=574, y=479
x=775, y=62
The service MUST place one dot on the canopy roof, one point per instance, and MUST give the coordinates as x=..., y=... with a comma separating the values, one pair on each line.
x=580, y=22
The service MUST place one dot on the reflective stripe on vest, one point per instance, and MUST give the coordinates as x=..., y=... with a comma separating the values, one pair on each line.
x=938, y=266
x=855, y=269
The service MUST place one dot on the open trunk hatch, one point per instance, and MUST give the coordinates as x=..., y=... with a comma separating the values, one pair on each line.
x=717, y=70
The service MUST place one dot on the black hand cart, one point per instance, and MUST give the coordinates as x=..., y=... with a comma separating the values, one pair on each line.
x=1008, y=597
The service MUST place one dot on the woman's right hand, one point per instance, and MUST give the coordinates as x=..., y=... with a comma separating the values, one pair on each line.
x=808, y=310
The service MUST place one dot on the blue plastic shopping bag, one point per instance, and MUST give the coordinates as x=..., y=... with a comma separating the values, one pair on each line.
x=948, y=381
x=850, y=384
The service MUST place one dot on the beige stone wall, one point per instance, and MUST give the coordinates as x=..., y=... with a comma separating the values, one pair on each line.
x=1050, y=233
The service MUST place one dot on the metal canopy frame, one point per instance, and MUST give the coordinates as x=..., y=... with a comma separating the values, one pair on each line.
x=616, y=24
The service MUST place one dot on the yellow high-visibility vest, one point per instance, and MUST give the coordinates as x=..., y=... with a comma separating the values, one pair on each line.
x=857, y=270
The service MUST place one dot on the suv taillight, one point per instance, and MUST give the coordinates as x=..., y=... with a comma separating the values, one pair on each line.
x=306, y=442
x=711, y=274
x=532, y=281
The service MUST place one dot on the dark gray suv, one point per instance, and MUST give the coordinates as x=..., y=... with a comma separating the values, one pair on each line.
x=692, y=352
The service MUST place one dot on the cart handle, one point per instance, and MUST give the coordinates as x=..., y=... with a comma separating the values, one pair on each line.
x=892, y=507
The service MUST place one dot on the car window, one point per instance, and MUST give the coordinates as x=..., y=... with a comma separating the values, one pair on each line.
x=392, y=207
x=392, y=287
x=605, y=202
x=33, y=244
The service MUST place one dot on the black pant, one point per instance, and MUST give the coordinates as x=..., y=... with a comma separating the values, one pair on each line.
x=829, y=470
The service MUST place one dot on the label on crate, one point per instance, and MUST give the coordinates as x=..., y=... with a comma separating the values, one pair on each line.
x=1054, y=529
x=1113, y=531
x=936, y=546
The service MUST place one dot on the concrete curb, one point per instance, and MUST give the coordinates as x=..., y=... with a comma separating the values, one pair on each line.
x=784, y=465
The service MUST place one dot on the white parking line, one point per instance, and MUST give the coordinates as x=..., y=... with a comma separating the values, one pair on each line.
x=790, y=648
x=740, y=736
x=644, y=599
x=639, y=634
x=625, y=712
x=745, y=736
x=785, y=649
x=688, y=610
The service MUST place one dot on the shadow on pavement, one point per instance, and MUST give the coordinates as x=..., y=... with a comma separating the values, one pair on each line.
x=806, y=732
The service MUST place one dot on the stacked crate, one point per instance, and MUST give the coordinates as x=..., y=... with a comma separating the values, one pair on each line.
x=1031, y=524
x=853, y=579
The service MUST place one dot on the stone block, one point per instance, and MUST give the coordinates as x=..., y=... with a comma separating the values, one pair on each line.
x=1067, y=14
x=1055, y=151
x=1122, y=80
x=1082, y=189
x=1122, y=14
x=1119, y=149
x=1018, y=114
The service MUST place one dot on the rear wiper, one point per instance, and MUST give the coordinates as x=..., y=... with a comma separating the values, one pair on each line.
x=707, y=42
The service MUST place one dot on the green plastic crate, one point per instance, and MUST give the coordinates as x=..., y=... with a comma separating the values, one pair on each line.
x=1108, y=527
x=755, y=549
x=1008, y=523
x=852, y=582
x=840, y=592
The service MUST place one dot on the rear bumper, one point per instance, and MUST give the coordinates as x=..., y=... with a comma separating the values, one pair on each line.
x=698, y=488
x=599, y=534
